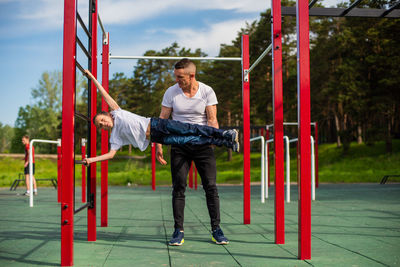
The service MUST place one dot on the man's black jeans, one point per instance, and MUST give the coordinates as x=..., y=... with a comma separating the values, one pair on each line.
x=203, y=157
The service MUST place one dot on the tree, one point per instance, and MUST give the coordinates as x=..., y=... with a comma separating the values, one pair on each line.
x=42, y=119
x=6, y=135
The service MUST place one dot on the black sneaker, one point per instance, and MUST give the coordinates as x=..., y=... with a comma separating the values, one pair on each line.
x=218, y=237
x=177, y=238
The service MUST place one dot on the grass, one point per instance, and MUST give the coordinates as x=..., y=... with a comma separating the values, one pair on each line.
x=362, y=164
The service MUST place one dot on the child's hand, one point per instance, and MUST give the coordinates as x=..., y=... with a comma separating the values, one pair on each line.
x=86, y=162
x=88, y=74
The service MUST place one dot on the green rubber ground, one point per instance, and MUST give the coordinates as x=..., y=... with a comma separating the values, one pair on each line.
x=352, y=225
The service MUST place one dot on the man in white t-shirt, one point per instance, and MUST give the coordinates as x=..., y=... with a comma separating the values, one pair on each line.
x=129, y=128
x=191, y=101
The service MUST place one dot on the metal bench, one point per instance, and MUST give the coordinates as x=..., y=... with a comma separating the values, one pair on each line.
x=385, y=178
x=21, y=177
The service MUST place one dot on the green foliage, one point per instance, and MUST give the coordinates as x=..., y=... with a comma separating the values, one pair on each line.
x=362, y=164
x=6, y=135
x=11, y=168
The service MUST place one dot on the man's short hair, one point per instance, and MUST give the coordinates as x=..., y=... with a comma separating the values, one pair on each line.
x=185, y=63
x=26, y=137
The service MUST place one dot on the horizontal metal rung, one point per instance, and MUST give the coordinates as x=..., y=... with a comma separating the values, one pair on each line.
x=81, y=116
x=80, y=68
x=81, y=208
x=83, y=48
x=78, y=161
x=83, y=25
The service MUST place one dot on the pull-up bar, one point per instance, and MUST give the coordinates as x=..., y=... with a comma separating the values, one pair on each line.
x=101, y=24
x=266, y=51
x=178, y=58
x=58, y=142
x=289, y=123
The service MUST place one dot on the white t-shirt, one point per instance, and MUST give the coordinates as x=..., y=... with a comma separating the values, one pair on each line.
x=129, y=128
x=190, y=109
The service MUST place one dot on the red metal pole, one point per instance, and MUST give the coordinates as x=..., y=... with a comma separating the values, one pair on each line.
x=83, y=183
x=195, y=177
x=316, y=154
x=278, y=123
x=303, y=92
x=153, y=166
x=67, y=135
x=93, y=98
x=191, y=175
x=269, y=171
x=246, y=128
x=104, y=134
x=59, y=171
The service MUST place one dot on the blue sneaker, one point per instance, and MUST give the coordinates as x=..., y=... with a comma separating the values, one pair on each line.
x=219, y=238
x=177, y=238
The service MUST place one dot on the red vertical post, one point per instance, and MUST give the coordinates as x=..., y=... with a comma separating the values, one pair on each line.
x=246, y=128
x=191, y=175
x=104, y=134
x=59, y=171
x=278, y=122
x=83, y=181
x=316, y=154
x=303, y=93
x=93, y=100
x=153, y=166
x=67, y=135
x=269, y=170
x=195, y=177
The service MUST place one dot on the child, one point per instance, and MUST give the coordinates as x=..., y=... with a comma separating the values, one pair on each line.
x=25, y=142
x=129, y=128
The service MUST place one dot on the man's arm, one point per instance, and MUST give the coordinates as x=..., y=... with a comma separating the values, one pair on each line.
x=211, y=112
x=111, y=102
x=165, y=113
x=103, y=157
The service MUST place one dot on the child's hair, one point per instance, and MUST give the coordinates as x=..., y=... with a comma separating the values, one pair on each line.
x=101, y=113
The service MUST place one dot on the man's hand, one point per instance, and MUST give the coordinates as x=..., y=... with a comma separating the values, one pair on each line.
x=159, y=154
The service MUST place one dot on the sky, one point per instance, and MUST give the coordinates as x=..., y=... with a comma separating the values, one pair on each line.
x=31, y=36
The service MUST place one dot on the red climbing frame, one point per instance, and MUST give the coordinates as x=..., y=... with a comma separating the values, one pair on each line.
x=246, y=128
x=304, y=129
x=278, y=123
x=104, y=134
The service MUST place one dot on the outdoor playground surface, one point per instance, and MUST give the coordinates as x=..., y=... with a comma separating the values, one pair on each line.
x=352, y=225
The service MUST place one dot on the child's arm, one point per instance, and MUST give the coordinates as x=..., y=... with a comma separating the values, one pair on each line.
x=111, y=102
x=103, y=157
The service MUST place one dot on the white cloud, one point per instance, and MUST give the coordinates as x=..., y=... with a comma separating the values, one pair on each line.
x=43, y=14
x=125, y=11
x=209, y=38
x=49, y=13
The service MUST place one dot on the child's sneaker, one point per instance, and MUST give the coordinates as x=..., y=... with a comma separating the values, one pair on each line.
x=233, y=135
x=236, y=147
x=219, y=238
x=177, y=238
